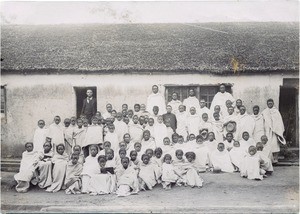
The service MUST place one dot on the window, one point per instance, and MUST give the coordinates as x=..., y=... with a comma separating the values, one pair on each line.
x=3, y=102
x=80, y=93
x=206, y=92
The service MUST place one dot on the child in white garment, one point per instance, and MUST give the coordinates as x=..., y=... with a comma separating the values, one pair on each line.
x=237, y=155
x=220, y=159
x=169, y=175
x=39, y=137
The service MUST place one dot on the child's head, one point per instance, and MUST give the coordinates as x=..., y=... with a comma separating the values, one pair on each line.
x=124, y=113
x=236, y=144
x=146, y=135
x=222, y=88
x=122, y=153
x=181, y=108
x=94, y=150
x=169, y=109
x=123, y=145
x=155, y=89
x=270, y=103
x=242, y=110
x=143, y=107
x=130, y=113
x=94, y=120
x=217, y=109
x=145, y=159
x=221, y=147
x=135, y=119
x=166, y=141
x=109, y=153
x=191, y=92
x=137, y=107
x=174, y=96
x=111, y=128
x=67, y=122
x=41, y=124
x=85, y=122
x=229, y=136
x=228, y=103
x=192, y=137
x=155, y=110
x=146, y=119
x=211, y=136
x=193, y=110
x=199, y=139
x=126, y=120
x=77, y=149
x=74, y=158
x=142, y=120
x=205, y=117
x=106, y=145
x=137, y=146
x=252, y=150
x=124, y=107
x=175, y=137
x=230, y=110
x=264, y=139
x=125, y=162
x=149, y=152
x=180, y=139
x=114, y=113
x=190, y=156
x=79, y=122
x=119, y=116
x=57, y=120
x=109, y=108
x=202, y=103
x=259, y=146
x=73, y=121
x=158, y=152
x=133, y=155
x=216, y=116
x=126, y=138
x=255, y=110
x=29, y=146
x=245, y=136
x=102, y=160
x=168, y=124
x=60, y=148
x=151, y=121
x=179, y=154
x=98, y=114
x=160, y=119
x=238, y=103
x=167, y=158
x=47, y=147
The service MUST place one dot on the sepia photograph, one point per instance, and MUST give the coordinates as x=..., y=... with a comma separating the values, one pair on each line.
x=150, y=106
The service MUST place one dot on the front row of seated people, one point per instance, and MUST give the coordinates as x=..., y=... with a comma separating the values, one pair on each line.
x=127, y=172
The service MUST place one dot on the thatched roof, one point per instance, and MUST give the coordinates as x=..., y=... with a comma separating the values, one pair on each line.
x=207, y=47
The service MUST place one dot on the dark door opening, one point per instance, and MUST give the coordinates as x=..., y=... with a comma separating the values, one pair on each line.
x=288, y=107
x=80, y=93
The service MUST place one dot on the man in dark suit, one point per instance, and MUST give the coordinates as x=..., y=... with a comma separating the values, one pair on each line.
x=89, y=108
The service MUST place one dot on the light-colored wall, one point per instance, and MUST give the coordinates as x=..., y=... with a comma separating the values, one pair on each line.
x=34, y=97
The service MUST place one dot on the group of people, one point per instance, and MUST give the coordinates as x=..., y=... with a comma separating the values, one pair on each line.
x=132, y=150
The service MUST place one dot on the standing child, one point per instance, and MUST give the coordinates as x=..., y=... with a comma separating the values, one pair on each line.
x=147, y=141
x=147, y=175
x=167, y=148
x=170, y=118
x=134, y=161
x=106, y=146
x=56, y=133
x=39, y=136
x=28, y=164
x=90, y=167
x=259, y=128
x=169, y=175
x=121, y=127
x=246, y=141
x=68, y=134
x=160, y=131
x=150, y=126
x=205, y=124
x=60, y=160
x=112, y=137
x=220, y=159
x=181, y=117
x=180, y=167
x=237, y=155
x=202, y=155
x=135, y=130
x=267, y=164
x=73, y=182
x=229, y=141
x=77, y=150
x=44, y=167
x=79, y=133
x=138, y=149
x=217, y=126
x=193, y=122
x=211, y=142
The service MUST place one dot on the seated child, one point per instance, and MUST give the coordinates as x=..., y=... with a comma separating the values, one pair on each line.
x=26, y=173
x=90, y=167
x=111, y=159
x=167, y=148
x=138, y=148
x=72, y=184
x=202, y=155
x=44, y=167
x=147, y=175
x=127, y=181
x=160, y=131
x=112, y=137
x=77, y=150
x=135, y=129
x=192, y=178
x=103, y=182
x=267, y=147
x=250, y=167
x=94, y=136
x=180, y=167
x=169, y=175
x=246, y=142
x=237, y=155
x=60, y=161
x=229, y=141
x=134, y=161
x=220, y=159
x=147, y=141
x=122, y=154
x=150, y=153
x=211, y=143
x=39, y=136
x=267, y=165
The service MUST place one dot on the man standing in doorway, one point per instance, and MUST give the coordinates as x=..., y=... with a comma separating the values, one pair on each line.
x=89, y=108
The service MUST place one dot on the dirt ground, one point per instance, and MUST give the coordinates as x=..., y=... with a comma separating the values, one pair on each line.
x=224, y=192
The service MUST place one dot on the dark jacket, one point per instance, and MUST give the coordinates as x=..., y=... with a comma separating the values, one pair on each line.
x=89, y=108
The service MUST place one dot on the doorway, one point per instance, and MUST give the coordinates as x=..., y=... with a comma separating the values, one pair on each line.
x=288, y=107
x=80, y=93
